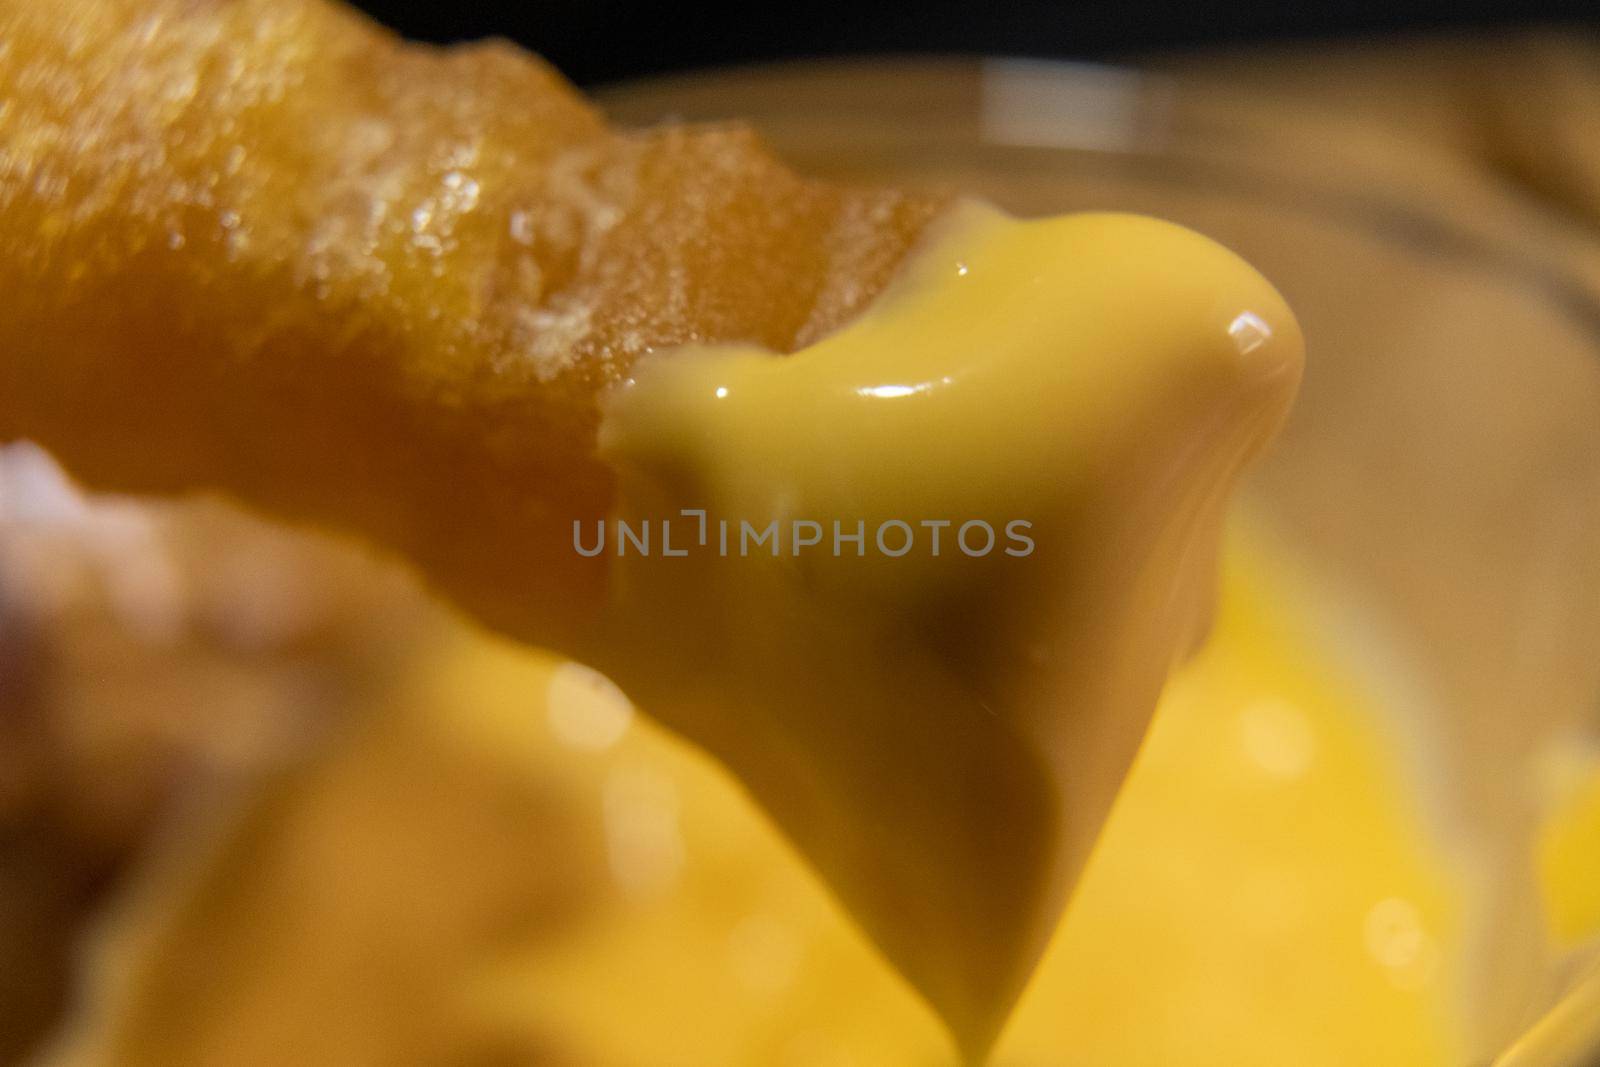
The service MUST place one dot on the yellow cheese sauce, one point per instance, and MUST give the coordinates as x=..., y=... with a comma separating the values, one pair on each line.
x=918, y=586
x=1269, y=889
x=1569, y=851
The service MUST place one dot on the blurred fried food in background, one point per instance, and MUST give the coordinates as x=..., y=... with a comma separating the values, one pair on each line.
x=154, y=660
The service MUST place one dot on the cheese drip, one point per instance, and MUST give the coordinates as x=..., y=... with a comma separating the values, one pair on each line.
x=941, y=729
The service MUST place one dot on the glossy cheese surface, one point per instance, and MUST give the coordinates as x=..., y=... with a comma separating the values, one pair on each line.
x=919, y=585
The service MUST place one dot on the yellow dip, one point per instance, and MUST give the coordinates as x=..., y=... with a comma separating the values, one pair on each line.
x=1269, y=890
x=919, y=585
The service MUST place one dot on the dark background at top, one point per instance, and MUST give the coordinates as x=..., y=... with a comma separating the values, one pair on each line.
x=604, y=40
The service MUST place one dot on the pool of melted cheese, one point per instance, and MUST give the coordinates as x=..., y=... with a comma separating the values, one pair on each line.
x=1269, y=889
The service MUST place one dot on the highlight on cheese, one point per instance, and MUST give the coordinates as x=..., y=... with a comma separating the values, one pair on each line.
x=839, y=538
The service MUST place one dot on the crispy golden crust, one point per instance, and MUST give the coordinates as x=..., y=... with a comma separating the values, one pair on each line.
x=264, y=247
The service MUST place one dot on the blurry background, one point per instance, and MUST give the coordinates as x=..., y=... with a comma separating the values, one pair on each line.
x=595, y=41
